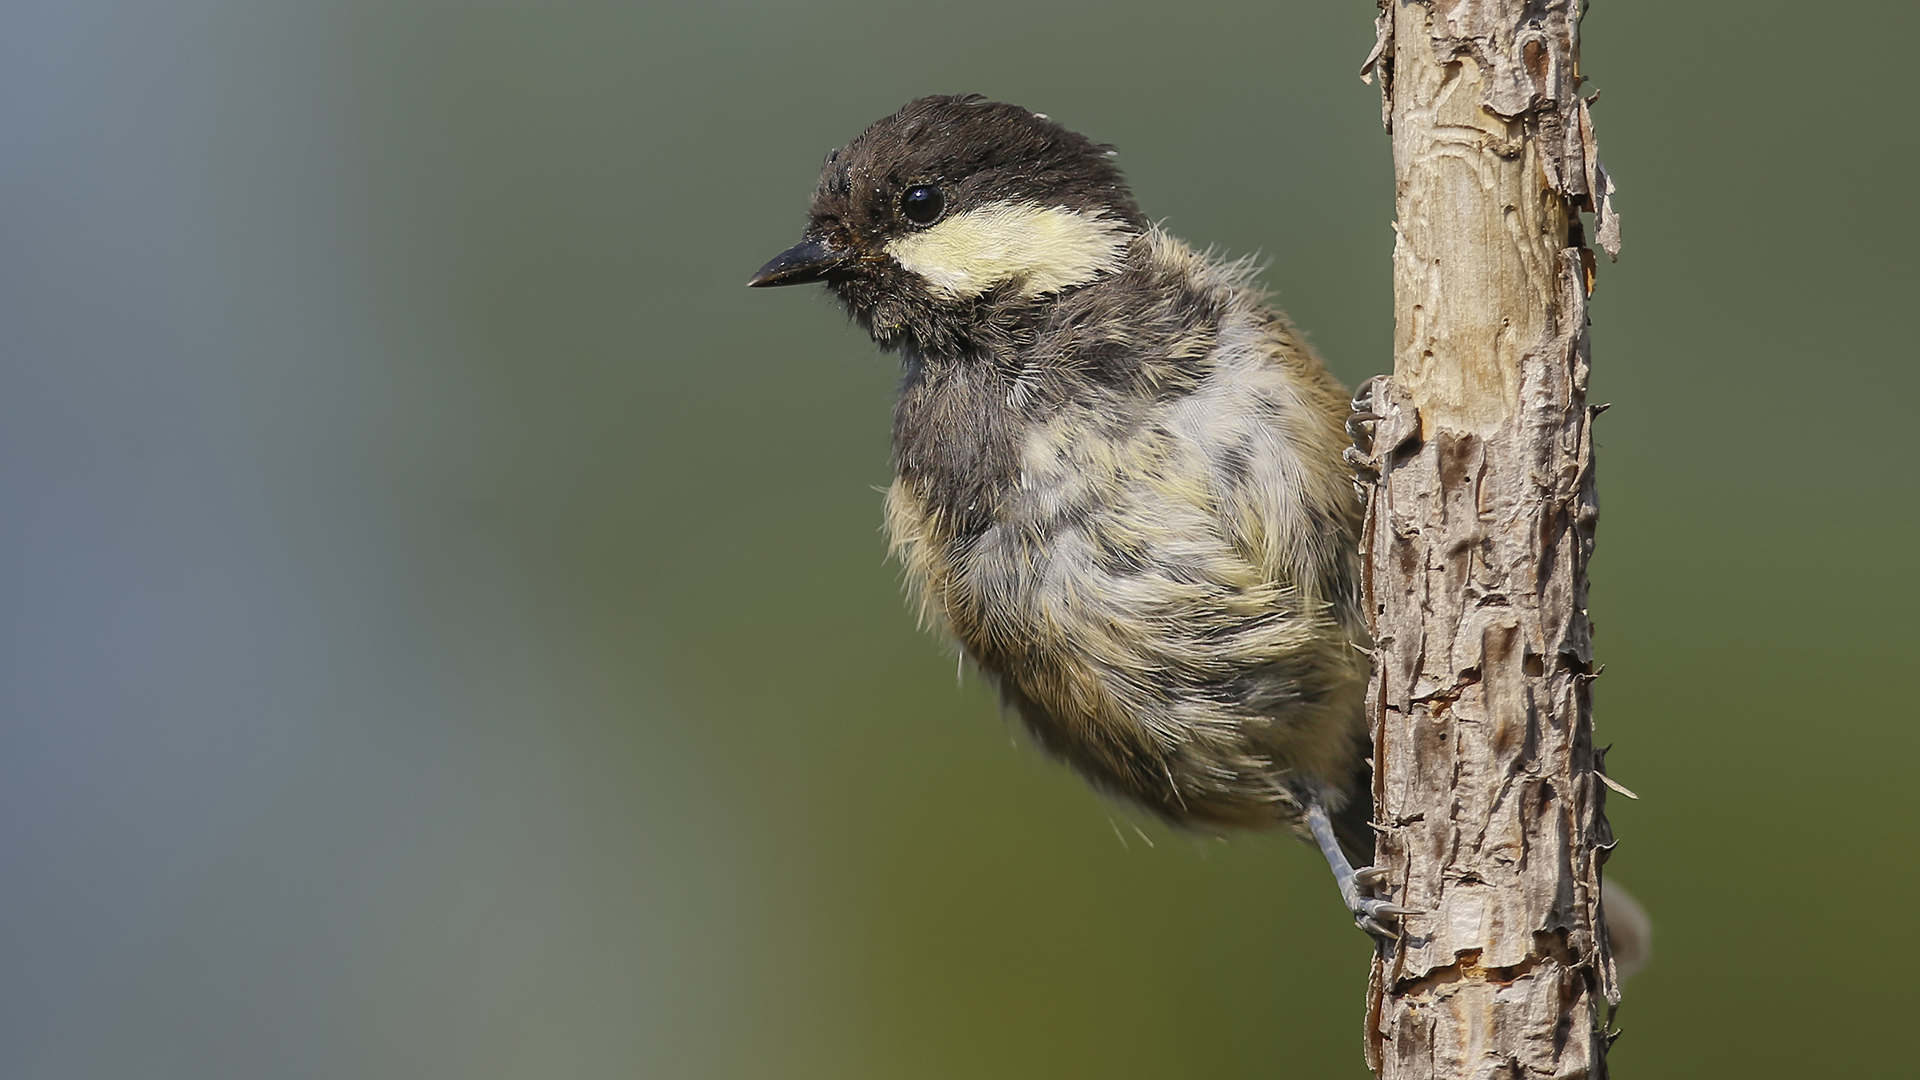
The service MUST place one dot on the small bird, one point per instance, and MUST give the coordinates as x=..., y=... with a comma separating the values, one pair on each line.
x=1119, y=474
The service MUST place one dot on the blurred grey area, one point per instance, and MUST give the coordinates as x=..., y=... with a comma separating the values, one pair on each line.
x=444, y=629
x=307, y=771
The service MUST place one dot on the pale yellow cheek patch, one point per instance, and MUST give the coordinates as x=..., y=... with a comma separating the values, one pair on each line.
x=1045, y=248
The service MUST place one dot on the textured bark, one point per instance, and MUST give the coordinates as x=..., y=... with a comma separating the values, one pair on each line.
x=1489, y=791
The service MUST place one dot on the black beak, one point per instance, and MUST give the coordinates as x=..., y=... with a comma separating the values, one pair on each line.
x=806, y=261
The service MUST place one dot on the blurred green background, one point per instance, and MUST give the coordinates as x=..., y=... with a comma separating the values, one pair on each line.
x=444, y=629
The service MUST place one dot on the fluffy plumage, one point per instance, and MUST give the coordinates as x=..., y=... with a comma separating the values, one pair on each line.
x=1119, y=477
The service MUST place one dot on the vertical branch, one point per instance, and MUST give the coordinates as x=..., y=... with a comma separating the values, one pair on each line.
x=1490, y=804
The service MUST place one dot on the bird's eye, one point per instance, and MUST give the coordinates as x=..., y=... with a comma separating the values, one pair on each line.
x=923, y=204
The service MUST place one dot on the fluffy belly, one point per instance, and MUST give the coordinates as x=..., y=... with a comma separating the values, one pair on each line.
x=1146, y=652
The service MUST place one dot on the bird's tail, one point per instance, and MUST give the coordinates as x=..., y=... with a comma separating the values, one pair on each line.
x=1629, y=930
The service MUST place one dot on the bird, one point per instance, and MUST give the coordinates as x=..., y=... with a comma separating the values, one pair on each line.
x=1121, y=479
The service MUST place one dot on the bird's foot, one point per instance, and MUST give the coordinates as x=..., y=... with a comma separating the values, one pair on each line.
x=1360, y=428
x=1371, y=912
x=1361, y=888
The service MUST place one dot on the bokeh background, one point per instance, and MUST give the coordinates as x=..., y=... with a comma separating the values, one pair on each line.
x=444, y=629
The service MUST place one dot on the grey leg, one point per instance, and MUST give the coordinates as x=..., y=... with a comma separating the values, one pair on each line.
x=1378, y=917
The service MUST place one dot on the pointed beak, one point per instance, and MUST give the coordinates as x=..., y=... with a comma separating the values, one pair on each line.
x=806, y=261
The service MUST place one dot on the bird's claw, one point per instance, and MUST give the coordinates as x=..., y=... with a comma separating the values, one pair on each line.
x=1360, y=429
x=1376, y=915
x=1363, y=394
x=1360, y=887
x=1383, y=931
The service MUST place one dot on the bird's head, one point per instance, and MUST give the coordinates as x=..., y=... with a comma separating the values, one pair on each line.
x=941, y=217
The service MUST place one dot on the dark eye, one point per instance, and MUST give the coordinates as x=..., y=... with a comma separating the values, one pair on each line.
x=922, y=205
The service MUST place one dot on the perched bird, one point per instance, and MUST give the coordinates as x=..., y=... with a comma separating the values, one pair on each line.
x=1119, y=475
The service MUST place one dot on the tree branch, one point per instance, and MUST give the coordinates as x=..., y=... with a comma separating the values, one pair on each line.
x=1490, y=805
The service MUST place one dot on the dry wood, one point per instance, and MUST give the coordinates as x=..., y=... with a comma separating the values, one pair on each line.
x=1488, y=787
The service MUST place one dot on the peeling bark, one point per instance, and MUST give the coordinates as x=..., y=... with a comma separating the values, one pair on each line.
x=1489, y=792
